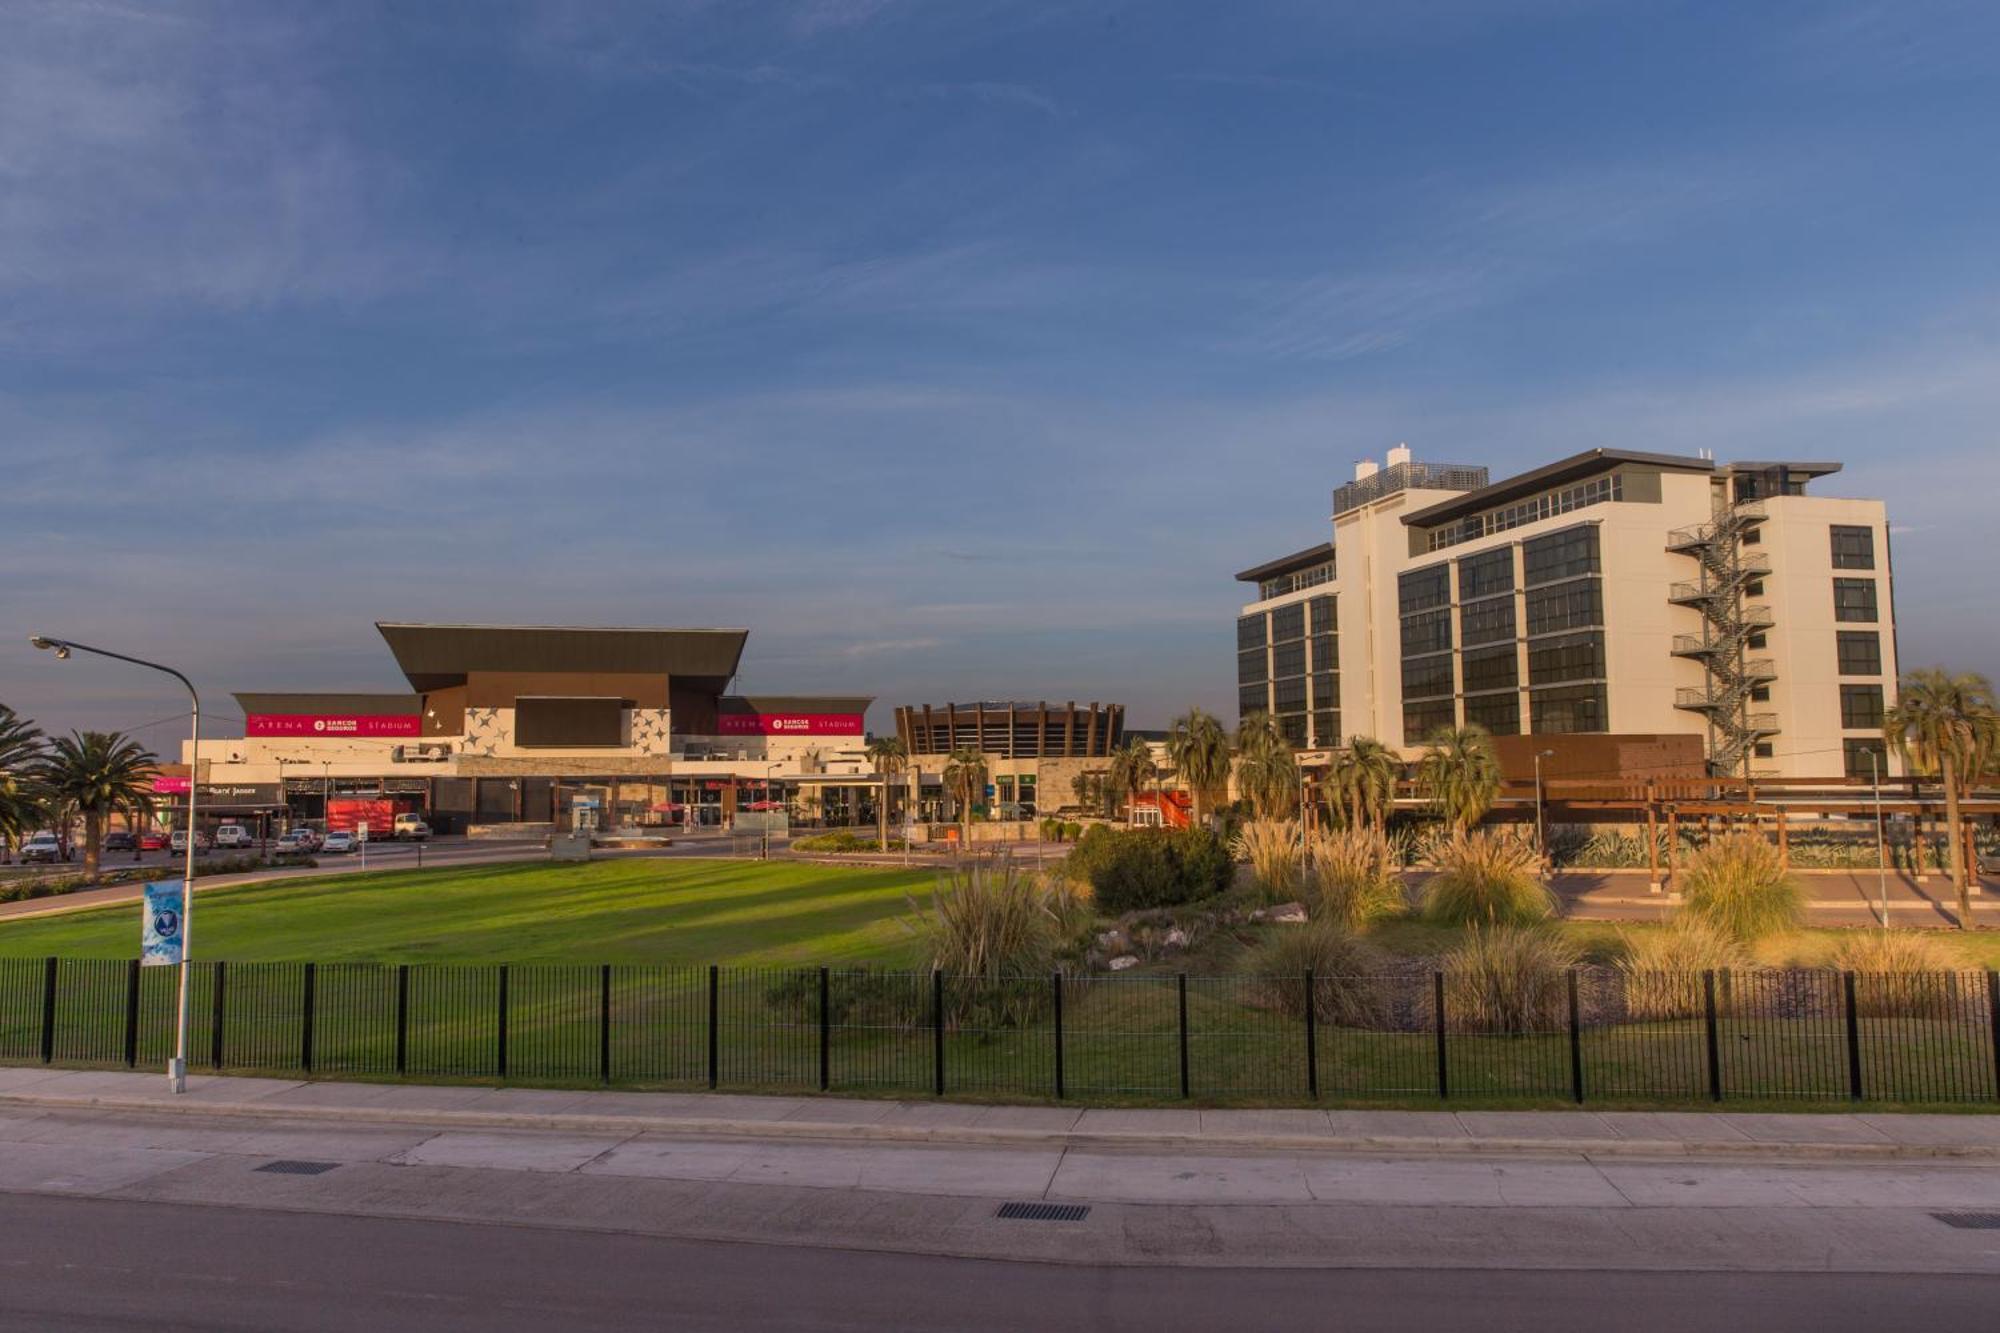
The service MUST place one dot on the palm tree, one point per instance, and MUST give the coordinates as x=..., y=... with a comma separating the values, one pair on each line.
x=965, y=778
x=97, y=772
x=20, y=747
x=1199, y=748
x=1947, y=724
x=1364, y=779
x=891, y=756
x=1267, y=767
x=1132, y=768
x=1460, y=773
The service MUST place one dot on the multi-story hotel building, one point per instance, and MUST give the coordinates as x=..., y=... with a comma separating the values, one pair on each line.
x=1612, y=592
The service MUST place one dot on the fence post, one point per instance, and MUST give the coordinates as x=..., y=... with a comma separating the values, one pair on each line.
x=49, y=1011
x=306, y=1020
x=132, y=1014
x=1575, y=1041
x=501, y=1046
x=1992, y=1017
x=825, y=1031
x=402, y=1017
x=714, y=1025
x=937, y=1031
x=1437, y=1007
x=1714, y=1041
x=1853, y=1036
x=603, y=1024
x=216, y=1014
x=1184, y=1043
x=1312, y=1038
x=1055, y=991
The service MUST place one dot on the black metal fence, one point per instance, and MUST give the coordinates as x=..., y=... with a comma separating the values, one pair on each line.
x=1585, y=1034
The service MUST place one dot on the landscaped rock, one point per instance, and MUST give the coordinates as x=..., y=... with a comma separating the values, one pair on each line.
x=1123, y=961
x=1285, y=914
x=1111, y=941
x=1175, y=939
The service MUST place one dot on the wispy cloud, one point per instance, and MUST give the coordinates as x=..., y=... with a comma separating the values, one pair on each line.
x=887, y=647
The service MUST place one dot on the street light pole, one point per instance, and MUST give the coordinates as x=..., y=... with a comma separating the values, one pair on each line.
x=765, y=823
x=177, y=1067
x=1541, y=832
x=1881, y=841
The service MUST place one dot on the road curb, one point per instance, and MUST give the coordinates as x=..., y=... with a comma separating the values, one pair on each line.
x=972, y=1136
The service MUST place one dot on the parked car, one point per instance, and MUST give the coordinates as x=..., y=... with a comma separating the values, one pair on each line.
x=337, y=843
x=179, y=841
x=296, y=841
x=43, y=847
x=233, y=835
x=309, y=834
x=121, y=841
x=153, y=840
x=410, y=828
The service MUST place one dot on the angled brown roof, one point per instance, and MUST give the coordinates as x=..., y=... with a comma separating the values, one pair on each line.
x=436, y=656
x=1285, y=564
x=331, y=705
x=1587, y=463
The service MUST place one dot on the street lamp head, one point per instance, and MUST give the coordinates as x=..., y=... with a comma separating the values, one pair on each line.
x=44, y=641
x=1546, y=754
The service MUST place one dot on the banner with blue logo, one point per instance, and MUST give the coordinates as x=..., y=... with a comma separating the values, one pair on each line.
x=160, y=946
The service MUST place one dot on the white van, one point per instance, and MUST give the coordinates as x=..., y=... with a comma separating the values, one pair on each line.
x=411, y=828
x=233, y=835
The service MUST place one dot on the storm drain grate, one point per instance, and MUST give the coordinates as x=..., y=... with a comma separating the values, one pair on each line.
x=1970, y=1221
x=285, y=1166
x=1044, y=1212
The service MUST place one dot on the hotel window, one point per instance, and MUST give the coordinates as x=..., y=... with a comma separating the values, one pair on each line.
x=1568, y=554
x=1325, y=652
x=1485, y=575
x=1252, y=699
x=1860, y=652
x=1289, y=696
x=1853, y=548
x=1324, y=620
x=1249, y=632
x=1861, y=707
x=1288, y=659
x=1421, y=719
x=1854, y=600
x=1491, y=669
x=1424, y=677
x=1857, y=754
x=1288, y=623
x=1293, y=727
x=1250, y=666
x=1326, y=690
x=1489, y=621
x=1326, y=729
x=1568, y=708
x=1498, y=713
x=1427, y=633
x=1422, y=589
x=1568, y=606
x=1569, y=657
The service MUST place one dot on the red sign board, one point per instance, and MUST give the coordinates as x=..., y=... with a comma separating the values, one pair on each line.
x=790, y=724
x=330, y=724
x=170, y=786
x=347, y=815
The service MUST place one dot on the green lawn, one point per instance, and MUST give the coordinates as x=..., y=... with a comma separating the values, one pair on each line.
x=630, y=911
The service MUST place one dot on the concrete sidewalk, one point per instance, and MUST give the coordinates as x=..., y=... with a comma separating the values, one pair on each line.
x=1858, y=1137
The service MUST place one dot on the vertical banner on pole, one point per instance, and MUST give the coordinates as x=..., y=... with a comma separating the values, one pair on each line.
x=160, y=937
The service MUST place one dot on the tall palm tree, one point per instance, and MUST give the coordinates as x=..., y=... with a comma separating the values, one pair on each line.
x=1199, y=748
x=97, y=772
x=891, y=756
x=1364, y=780
x=1267, y=768
x=1947, y=724
x=1460, y=773
x=965, y=778
x=20, y=747
x=1132, y=769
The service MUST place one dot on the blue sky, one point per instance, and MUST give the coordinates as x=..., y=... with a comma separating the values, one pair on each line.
x=956, y=349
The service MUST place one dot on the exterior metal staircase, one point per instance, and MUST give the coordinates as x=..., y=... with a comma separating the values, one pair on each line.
x=1725, y=572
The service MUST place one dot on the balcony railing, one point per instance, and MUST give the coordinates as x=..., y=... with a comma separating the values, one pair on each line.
x=1408, y=476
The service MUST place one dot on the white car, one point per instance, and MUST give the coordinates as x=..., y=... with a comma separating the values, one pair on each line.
x=411, y=828
x=42, y=847
x=295, y=841
x=233, y=835
x=179, y=842
x=337, y=843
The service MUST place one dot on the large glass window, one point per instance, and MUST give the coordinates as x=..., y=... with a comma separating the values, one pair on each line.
x=1325, y=652
x=1568, y=554
x=1853, y=547
x=1289, y=696
x=1566, y=657
x=1860, y=652
x=1491, y=669
x=1568, y=708
x=1252, y=699
x=1421, y=719
x=1251, y=666
x=1429, y=632
x=1288, y=659
x=1566, y=606
x=1424, y=677
x=1486, y=622
x=1486, y=574
x=1858, y=753
x=1326, y=728
x=1498, y=713
x=1293, y=726
x=1250, y=631
x=1422, y=589
x=1326, y=690
x=1324, y=618
x=1854, y=600
x=1861, y=707
x=1288, y=622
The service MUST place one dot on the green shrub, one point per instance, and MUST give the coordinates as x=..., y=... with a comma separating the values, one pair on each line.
x=1348, y=878
x=1903, y=973
x=1508, y=979
x=1271, y=846
x=843, y=840
x=1739, y=885
x=997, y=933
x=1071, y=830
x=1130, y=870
x=1346, y=974
x=1486, y=878
x=1662, y=968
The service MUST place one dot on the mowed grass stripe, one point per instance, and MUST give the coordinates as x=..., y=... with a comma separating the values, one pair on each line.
x=638, y=911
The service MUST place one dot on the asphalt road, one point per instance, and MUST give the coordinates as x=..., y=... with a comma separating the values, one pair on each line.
x=108, y=1264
